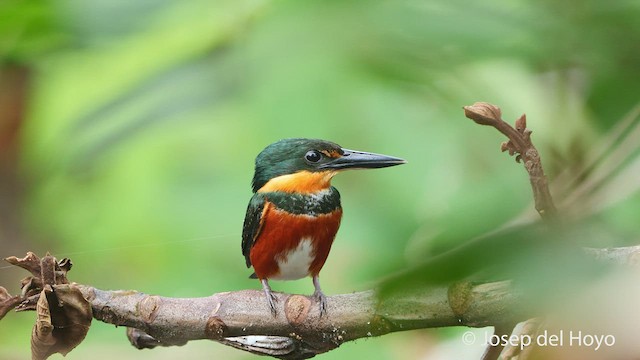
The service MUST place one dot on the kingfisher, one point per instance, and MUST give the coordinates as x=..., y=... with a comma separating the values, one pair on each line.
x=294, y=213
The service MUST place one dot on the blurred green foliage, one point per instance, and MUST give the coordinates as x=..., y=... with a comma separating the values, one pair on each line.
x=144, y=119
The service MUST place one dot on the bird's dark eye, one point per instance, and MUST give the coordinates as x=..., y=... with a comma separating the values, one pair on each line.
x=313, y=156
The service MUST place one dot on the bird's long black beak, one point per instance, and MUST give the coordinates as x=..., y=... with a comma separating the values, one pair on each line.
x=352, y=159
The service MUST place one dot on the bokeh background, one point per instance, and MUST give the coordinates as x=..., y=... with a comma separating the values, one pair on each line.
x=128, y=131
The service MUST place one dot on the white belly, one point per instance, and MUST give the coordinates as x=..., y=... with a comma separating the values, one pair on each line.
x=295, y=264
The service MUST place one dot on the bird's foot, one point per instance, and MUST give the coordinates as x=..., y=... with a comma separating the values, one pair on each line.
x=320, y=297
x=272, y=299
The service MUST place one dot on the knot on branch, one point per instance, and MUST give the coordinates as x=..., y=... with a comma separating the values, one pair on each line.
x=459, y=296
x=215, y=328
x=297, y=308
x=148, y=308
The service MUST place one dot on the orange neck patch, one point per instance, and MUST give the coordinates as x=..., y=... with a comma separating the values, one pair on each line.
x=304, y=182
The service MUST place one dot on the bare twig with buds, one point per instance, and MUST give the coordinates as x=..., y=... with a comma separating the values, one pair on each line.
x=520, y=144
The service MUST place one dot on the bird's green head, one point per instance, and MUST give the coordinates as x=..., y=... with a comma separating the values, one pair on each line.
x=307, y=165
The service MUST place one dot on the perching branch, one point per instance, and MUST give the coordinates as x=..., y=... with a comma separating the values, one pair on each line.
x=241, y=319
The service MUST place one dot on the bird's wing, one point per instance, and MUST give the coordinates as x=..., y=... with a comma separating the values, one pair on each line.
x=253, y=222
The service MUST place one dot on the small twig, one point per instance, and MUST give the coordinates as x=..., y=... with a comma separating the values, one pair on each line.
x=8, y=302
x=519, y=143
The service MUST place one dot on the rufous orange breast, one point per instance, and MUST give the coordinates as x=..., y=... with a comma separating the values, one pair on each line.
x=293, y=246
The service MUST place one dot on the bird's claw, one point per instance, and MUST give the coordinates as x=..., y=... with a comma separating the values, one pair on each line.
x=272, y=299
x=321, y=298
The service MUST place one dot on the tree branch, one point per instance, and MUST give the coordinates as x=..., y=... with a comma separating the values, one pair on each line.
x=241, y=319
